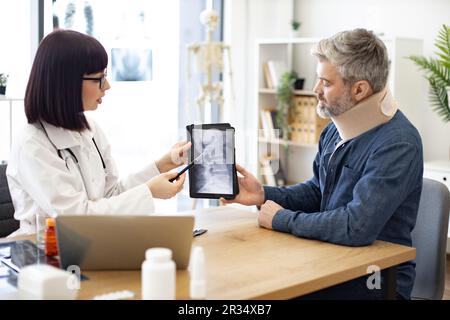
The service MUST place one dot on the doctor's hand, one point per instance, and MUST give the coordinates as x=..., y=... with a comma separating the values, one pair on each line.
x=251, y=191
x=176, y=156
x=268, y=210
x=162, y=188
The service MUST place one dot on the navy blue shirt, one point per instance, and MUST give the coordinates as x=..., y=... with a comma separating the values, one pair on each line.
x=365, y=190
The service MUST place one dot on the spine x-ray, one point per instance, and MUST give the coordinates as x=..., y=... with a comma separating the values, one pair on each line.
x=213, y=174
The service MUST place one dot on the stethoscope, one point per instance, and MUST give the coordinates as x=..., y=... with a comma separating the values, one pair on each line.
x=72, y=155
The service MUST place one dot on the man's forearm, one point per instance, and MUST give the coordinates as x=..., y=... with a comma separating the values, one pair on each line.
x=303, y=196
x=333, y=226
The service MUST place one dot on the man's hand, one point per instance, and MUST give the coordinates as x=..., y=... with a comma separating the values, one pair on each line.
x=251, y=191
x=268, y=211
x=176, y=156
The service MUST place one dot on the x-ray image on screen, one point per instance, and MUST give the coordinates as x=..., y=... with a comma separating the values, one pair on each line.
x=213, y=171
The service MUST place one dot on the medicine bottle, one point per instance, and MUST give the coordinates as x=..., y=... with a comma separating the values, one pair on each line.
x=158, y=275
x=51, y=247
x=197, y=287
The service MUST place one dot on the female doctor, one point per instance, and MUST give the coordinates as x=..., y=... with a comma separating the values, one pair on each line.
x=62, y=163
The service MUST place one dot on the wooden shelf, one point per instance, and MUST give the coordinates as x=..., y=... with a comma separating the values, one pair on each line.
x=296, y=92
x=286, y=41
x=289, y=142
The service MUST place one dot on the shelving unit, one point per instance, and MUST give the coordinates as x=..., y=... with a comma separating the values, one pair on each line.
x=296, y=92
x=296, y=158
x=288, y=142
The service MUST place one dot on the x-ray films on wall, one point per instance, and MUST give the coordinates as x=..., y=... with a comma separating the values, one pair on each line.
x=130, y=64
x=124, y=31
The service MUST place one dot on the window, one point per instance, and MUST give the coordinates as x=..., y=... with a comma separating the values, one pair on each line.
x=143, y=114
x=139, y=112
x=192, y=31
x=15, y=60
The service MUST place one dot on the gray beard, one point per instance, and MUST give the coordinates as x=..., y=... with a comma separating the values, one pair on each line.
x=344, y=104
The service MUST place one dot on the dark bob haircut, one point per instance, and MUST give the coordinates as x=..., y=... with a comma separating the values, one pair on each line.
x=53, y=92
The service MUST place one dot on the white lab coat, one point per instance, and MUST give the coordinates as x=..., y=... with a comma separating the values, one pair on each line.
x=40, y=181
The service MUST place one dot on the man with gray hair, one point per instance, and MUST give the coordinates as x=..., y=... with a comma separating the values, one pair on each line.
x=368, y=170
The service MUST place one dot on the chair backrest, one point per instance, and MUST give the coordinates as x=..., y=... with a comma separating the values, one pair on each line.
x=429, y=237
x=7, y=222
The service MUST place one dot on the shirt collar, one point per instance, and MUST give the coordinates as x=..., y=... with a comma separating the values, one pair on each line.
x=64, y=138
x=373, y=111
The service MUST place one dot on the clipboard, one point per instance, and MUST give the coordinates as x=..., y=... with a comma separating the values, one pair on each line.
x=213, y=174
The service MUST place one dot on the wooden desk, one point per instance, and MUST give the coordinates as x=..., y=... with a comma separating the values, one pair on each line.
x=244, y=261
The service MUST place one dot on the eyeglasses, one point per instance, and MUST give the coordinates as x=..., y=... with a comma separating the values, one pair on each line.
x=101, y=80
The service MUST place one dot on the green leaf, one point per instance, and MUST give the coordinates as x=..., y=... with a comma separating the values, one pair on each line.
x=437, y=72
x=285, y=92
x=443, y=44
x=433, y=67
x=439, y=99
x=443, y=40
x=444, y=51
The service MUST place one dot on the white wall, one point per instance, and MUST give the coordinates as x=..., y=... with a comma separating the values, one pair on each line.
x=405, y=18
x=18, y=21
x=246, y=21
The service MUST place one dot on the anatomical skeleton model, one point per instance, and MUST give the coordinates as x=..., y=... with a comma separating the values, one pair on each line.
x=209, y=60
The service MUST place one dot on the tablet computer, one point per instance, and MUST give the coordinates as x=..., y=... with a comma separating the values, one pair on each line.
x=213, y=174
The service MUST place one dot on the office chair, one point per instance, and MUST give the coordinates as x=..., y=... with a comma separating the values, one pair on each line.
x=7, y=222
x=429, y=237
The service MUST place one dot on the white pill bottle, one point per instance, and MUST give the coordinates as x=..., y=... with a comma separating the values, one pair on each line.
x=158, y=275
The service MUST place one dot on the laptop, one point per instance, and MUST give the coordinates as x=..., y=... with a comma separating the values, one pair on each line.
x=120, y=242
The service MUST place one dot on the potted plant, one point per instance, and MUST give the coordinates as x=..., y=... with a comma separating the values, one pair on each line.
x=437, y=71
x=295, y=28
x=3, y=82
x=285, y=92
